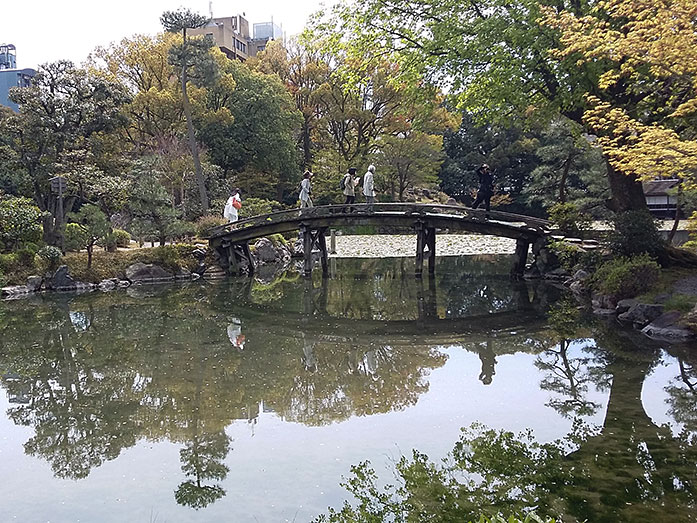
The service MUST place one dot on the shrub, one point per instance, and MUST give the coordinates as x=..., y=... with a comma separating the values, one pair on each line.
x=75, y=237
x=257, y=206
x=626, y=277
x=572, y=257
x=20, y=221
x=114, y=239
x=635, y=232
x=569, y=220
x=205, y=224
x=184, y=231
x=278, y=239
x=51, y=256
x=25, y=257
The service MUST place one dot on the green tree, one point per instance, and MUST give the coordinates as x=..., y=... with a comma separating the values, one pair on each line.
x=190, y=54
x=495, y=57
x=303, y=66
x=64, y=113
x=570, y=169
x=261, y=137
x=20, y=221
x=150, y=204
x=411, y=158
x=95, y=227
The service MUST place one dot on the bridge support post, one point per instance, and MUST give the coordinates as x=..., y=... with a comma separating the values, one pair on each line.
x=233, y=256
x=520, y=259
x=306, y=233
x=425, y=239
x=314, y=238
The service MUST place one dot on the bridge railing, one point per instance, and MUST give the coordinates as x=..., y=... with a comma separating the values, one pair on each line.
x=377, y=209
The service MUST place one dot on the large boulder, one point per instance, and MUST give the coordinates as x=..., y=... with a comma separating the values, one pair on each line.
x=108, y=285
x=641, y=314
x=266, y=251
x=62, y=280
x=624, y=305
x=667, y=327
x=34, y=283
x=147, y=273
x=603, y=301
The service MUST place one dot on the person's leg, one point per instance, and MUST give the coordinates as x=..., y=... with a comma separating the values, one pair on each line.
x=478, y=200
x=303, y=204
x=370, y=199
x=348, y=200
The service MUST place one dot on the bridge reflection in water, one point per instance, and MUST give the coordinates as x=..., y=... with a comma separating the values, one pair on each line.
x=231, y=242
x=91, y=376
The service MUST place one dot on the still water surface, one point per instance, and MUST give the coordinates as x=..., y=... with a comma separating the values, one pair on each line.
x=249, y=401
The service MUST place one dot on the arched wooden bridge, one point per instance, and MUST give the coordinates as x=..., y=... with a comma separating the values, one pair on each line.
x=231, y=241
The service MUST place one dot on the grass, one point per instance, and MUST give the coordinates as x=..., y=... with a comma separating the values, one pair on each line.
x=113, y=264
x=666, y=283
x=681, y=303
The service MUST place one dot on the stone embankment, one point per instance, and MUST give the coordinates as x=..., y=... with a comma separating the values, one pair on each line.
x=62, y=281
x=652, y=319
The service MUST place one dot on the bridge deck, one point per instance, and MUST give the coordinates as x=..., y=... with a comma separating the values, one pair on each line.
x=231, y=241
x=450, y=217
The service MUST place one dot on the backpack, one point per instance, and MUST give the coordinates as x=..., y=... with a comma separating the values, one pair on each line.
x=342, y=183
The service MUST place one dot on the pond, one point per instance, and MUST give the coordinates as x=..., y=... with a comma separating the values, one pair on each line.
x=250, y=401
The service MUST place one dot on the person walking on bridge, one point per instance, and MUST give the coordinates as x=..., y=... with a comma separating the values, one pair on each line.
x=369, y=185
x=306, y=190
x=486, y=187
x=233, y=204
x=348, y=184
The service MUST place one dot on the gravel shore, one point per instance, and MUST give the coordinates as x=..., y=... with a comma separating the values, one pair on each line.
x=385, y=246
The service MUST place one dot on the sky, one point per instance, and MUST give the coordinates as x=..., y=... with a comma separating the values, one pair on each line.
x=49, y=30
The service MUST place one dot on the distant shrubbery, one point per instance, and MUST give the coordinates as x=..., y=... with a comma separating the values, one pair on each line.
x=205, y=224
x=624, y=277
x=50, y=257
x=635, y=232
x=572, y=257
x=20, y=222
x=257, y=206
x=569, y=220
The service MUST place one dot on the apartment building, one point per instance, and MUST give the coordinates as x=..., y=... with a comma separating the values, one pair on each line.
x=10, y=76
x=231, y=34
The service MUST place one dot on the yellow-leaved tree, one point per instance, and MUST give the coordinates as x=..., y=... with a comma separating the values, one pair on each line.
x=642, y=46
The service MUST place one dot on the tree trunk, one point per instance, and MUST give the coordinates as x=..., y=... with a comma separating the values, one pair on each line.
x=192, y=141
x=564, y=177
x=676, y=220
x=306, y=142
x=90, y=248
x=627, y=192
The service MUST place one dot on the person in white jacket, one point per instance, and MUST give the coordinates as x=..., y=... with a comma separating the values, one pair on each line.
x=234, y=202
x=369, y=185
x=306, y=190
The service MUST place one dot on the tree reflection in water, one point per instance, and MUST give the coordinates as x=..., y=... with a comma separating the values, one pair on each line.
x=628, y=469
x=93, y=375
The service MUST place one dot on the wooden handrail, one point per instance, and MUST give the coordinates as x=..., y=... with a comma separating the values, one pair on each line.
x=376, y=209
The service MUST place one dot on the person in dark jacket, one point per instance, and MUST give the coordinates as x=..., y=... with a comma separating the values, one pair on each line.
x=486, y=187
